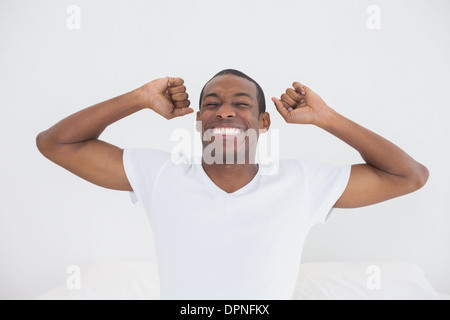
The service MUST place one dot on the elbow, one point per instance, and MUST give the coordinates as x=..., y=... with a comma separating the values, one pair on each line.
x=420, y=177
x=42, y=143
x=39, y=141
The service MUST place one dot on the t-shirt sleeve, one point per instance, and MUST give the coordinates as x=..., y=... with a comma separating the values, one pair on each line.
x=324, y=184
x=142, y=167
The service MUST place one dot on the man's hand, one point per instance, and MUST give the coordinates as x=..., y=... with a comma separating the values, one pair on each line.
x=167, y=97
x=301, y=105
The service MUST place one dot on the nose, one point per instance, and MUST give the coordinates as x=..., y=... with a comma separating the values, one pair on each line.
x=226, y=111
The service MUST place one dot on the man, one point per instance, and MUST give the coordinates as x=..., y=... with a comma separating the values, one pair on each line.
x=222, y=229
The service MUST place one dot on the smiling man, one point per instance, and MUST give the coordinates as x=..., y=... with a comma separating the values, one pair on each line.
x=233, y=111
x=222, y=229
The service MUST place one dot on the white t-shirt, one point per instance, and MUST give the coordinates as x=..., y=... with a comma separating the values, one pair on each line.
x=215, y=245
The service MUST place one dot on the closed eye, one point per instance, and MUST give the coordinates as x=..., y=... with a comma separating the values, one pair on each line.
x=239, y=104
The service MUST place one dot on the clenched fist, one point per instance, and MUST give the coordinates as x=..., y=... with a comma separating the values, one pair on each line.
x=301, y=105
x=167, y=97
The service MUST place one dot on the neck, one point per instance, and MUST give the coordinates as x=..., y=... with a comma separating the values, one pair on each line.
x=230, y=177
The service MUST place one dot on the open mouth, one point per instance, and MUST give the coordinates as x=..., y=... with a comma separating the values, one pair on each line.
x=227, y=131
x=224, y=132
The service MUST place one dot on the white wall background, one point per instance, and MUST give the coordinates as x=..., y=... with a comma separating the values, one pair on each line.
x=392, y=81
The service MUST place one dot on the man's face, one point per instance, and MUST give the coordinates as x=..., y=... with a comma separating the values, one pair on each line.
x=230, y=111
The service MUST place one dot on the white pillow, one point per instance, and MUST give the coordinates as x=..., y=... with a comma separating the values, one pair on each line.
x=362, y=281
x=122, y=280
x=118, y=280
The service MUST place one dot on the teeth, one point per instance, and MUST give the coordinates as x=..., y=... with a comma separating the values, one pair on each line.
x=227, y=131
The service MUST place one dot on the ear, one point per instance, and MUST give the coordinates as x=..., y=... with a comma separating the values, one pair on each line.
x=198, y=124
x=264, y=121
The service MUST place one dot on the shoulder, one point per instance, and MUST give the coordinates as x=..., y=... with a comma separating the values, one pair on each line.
x=277, y=168
x=146, y=159
x=305, y=167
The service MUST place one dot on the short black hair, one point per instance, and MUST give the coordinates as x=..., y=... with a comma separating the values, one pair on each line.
x=260, y=93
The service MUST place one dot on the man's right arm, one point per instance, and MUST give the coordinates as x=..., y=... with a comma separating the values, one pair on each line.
x=73, y=142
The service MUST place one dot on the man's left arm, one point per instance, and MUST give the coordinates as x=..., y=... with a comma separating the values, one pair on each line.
x=389, y=171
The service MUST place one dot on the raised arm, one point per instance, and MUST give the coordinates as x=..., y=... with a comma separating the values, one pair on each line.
x=73, y=142
x=388, y=171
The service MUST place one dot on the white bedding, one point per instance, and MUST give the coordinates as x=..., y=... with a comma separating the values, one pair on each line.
x=380, y=280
